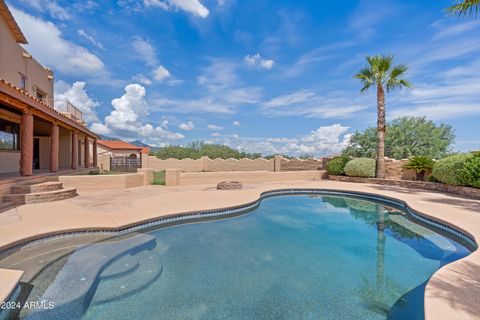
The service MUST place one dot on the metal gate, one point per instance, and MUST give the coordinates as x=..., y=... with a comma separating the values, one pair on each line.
x=125, y=164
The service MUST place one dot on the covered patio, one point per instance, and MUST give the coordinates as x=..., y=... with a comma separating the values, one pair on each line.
x=36, y=139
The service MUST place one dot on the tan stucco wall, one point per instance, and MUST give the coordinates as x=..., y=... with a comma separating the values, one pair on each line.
x=301, y=164
x=65, y=151
x=44, y=153
x=187, y=165
x=12, y=63
x=207, y=164
x=101, y=182
x=221, y=165
x=194, y=178
x=9, y=161
x=103, y=162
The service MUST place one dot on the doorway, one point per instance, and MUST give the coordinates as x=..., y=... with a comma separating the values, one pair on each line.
x=36, y=153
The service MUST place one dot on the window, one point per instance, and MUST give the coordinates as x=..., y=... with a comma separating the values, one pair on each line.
x=40, y=95
x=23, y=82
x=9, y=135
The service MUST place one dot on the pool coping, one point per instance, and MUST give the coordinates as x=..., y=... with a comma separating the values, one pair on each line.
x=186, y=217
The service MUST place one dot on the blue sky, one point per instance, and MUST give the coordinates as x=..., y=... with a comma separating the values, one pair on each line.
x=260, y=76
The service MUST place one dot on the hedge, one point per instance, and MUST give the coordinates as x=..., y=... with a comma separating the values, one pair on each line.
x=450, y=170
x=360, y=167
x=471, y=171
x=336, y=165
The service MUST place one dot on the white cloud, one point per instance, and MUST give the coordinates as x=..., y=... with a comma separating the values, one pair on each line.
x=52, y=7
x=188, y=126
x=325, y=140
x=222, y=83
x=145, y=51
x=191, y=106
x=215, y=134
x=142, y=79
x=439, y=111
x=455, y=29
x=306, y=103
x=236, y=123
x=214, y=127
x=257, y=61
x=289, y=99
x=161, y=73
x=83, y=34
x=78, y=96
x=47, y=44
x=125, y=120
x=194, y=7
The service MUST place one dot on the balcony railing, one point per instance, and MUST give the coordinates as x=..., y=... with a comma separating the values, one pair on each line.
x=64, y=106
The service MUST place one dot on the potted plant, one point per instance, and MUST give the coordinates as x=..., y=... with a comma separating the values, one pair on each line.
x=421, y=165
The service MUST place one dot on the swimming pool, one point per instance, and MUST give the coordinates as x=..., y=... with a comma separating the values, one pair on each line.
x=300, y=256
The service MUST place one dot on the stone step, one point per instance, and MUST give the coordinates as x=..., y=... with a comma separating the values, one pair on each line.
x=37, y=197
x=16, y=199
x=49, y=196
x=36, y=187
x=4, y=206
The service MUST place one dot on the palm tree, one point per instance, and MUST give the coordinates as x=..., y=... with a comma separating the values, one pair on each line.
x=465, y=8
x=381, y=73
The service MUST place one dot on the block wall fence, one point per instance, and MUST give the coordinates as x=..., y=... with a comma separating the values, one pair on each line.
x=394, y=168
x=205, y=164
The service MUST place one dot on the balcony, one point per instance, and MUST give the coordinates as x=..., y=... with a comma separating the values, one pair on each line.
x=65, y=108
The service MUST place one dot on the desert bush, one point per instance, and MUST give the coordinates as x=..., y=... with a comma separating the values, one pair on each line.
x=450, y=170
x=470, y=174
x=336, y=165
x=360, y=167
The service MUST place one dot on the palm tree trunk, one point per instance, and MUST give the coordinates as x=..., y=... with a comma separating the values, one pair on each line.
x=380, y=169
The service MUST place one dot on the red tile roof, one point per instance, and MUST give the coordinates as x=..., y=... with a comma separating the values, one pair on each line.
x=145, y=150
x=118, y=144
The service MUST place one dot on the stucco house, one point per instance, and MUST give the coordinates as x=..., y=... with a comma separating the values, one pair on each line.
x=117, y=148
x=37, y=132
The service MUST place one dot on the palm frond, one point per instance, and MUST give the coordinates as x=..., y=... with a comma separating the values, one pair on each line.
x=465, y=8
x=380, y=71
x=398, y=71
x=367, y=77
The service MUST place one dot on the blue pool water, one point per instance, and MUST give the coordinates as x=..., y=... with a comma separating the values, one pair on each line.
x=293, y=257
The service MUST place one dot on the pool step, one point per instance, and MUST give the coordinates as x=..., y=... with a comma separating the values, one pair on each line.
x=38, y=197
x=120, y=268
x=122, y=286
x=76, y=282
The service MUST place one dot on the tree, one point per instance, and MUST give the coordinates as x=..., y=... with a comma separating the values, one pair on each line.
x=381, y=73
x=198, y=149
x=406, y=137
x=465, y=8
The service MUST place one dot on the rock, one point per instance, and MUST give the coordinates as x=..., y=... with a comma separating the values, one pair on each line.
x=229, y=185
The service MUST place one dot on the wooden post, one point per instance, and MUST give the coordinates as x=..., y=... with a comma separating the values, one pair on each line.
x=54, y=145
x=95, y=163
x=26, y=144
x=87, y=152
x=74, y=151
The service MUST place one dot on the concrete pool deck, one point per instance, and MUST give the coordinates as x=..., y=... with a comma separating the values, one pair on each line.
x=453, y=292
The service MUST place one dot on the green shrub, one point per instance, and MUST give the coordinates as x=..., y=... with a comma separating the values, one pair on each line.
x=421, y=165
x=432, y=179
x=336, y=165
x=450, y=170
x=360, y=167
x=159, y=178
x=471, y=171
